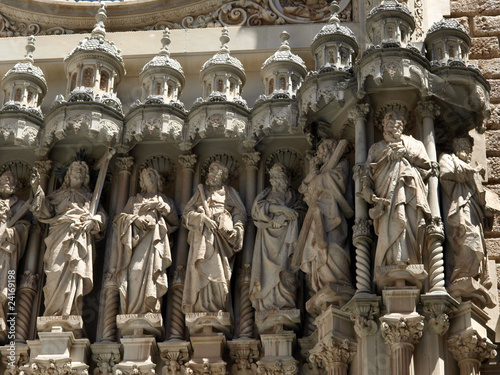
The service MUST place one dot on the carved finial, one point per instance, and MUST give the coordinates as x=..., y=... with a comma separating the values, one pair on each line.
x=285, y=46
x=224, y=40
x=165, y=41
x=30, y=48
x=99, y=30
x=334, y=10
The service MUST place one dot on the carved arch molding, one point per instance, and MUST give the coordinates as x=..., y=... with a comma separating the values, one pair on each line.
x=47, y=17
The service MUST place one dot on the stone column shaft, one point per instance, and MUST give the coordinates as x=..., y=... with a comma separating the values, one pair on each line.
x=469, y=367
x=361, y=237
x=427, y=111
x=402, y=358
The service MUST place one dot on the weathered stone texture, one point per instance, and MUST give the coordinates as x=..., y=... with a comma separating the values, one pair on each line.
x=495, y=90
x=486, y=25
x=493, y=143
x=494, y=169
x=493, y=122
x=493, y=248
x=484, y=48
x=473, y=7
x=490, y=68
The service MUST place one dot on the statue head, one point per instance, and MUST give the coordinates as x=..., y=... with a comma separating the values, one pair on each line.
x=8, y=183
x=77, y=175
x=279, y=177
x=150, y=180
x=462, y=147
x=218, y=174
x=325, y=149
x=393, y=124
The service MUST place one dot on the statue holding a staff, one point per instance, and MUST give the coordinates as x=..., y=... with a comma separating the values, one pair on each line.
x=75, y=220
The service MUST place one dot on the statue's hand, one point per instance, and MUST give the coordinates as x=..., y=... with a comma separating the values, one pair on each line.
x=290, y=214
x=35, y=180
x=211, y=224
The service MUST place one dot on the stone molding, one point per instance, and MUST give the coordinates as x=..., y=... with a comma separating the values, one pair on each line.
x=471, y=345
x=405, y=330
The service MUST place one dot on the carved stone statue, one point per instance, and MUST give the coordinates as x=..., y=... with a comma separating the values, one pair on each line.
x=215, y=217
x=13, y=236
x=396, y=169
x=143, y=246
x=68, y=259
x=277, y=212
x=464, y=202
x=323, y=250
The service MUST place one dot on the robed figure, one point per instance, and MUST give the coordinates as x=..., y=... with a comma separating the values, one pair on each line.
x=143, y=234
x=322, y=249
x=397, y=167
x=70, y=244
x=215, y=217
x=277, y=213
x=13, y=236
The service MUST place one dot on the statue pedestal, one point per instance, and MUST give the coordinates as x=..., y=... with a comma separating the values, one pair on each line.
x=469, y=316
x=58, y=349
x=473, y=290
x=330, y=294
x=208, y=322
x=208, y=354
x=399, y=276
x=132, y=325
x=275, y=321
x=138, y=353
x=278, y=350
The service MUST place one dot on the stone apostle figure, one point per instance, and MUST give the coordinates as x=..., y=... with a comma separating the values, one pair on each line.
x=68, y=259
x=464, y=204
x=277, y=213
x=215, y=217
x=323, y=250
x=396, y=169
x=143, y=246
x=13, y=236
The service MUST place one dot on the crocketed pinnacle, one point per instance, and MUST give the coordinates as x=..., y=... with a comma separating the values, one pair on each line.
x=99, y=30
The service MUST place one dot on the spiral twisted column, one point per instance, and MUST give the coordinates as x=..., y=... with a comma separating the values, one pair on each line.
x=177, y=319
x=246, y=327
x=110, y=302
x=362, y=238
x=427, y=111
x=24, y=305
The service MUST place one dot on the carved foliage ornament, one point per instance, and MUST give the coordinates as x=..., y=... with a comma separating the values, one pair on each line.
x=470, y=345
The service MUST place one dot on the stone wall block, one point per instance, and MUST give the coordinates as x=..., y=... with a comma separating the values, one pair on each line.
x=494, y=169
x=486, y=25
x=490, y=68
x=493, y=143
x=495, y=90
x=493, y=122
x=484, y=48
x=473, y=7
x=493, y=248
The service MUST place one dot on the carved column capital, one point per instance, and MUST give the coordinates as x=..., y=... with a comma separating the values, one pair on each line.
x=245, y=274
x=124, y=164
x=206, y=368
x=470, y=345
x=44, y=166
x=359, y=111
x=362, y=227
x=175, y=359
x=278, y=368
x=251, y=159
x=29, y=280
x=244, y=354
x=178, y=276
x=188, y=161
x=333, y=352
x=435, y=228
x=105, y=362
x=402, y=331
x=428, y=109
x=363, y=311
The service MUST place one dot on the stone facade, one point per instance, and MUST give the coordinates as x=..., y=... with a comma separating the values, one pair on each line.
x=326, y=204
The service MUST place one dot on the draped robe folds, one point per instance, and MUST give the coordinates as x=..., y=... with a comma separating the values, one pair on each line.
x=273, y=282
x=211, y=253
x=69, y=254
x=323, y=250
x=400, y=226
x=143, y=256
x=12, y=245
x=462, y=189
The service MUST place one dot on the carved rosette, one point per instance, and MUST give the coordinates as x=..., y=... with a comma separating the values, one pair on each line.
x=175, y=360
x=244, y=354
x=124, y=164
x=402, y=331
x=334, y=353
x=105, y=363
x=428, y=109
x=471, y=346
x=188, y=161
x=359, y=112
